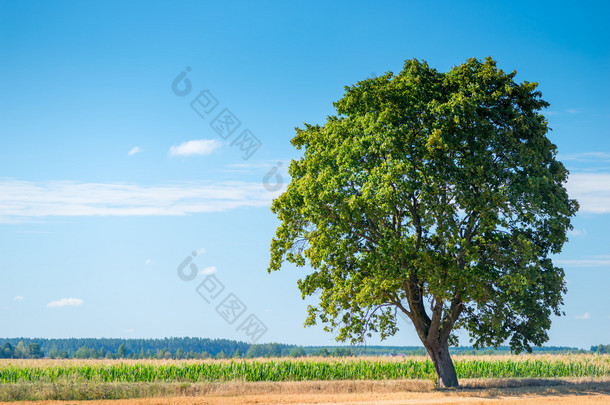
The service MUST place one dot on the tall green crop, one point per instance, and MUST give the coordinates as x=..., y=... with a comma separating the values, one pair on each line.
x=306, y=370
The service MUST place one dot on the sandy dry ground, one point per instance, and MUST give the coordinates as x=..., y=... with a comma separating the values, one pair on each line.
x=496, y=392
x=349, y=399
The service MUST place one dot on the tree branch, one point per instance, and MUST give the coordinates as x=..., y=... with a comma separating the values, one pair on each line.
x=436, y=319
x=451, y=316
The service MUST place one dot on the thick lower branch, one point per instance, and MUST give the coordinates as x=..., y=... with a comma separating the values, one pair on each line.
x=451, y=317
x=419, y=317
x=437, y=315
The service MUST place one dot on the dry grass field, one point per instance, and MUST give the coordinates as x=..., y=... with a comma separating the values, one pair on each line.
x=500, y=392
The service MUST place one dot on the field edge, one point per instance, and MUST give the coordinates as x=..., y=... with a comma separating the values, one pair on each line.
x=481, y=388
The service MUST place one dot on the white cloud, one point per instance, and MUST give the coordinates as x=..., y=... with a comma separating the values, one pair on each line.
x=18, y=298
x=281, y=166
x=134, y=150
x=585, y=156
x=65, y=302
x=592, y=190
x=129, y=330
x=253, y=165
x=195, y=147
x=22, y=201
x=38, y=232
x=566, y=111
x=148, y=261
x=578, y=232
x=590, y=261
x=209, y=270
x=200, y=251
x=261, y=165
x=586, y=315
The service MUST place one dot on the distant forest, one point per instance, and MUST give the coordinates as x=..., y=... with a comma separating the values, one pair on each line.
x=201, y=348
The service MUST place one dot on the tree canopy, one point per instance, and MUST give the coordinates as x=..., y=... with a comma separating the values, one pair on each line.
x=435, y=194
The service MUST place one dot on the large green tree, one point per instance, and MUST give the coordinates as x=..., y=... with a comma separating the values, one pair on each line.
x=434, y=194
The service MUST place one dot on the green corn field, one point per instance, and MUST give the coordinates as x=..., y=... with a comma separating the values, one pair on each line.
x=303, y=370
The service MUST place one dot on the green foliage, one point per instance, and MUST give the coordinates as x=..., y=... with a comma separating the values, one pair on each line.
x=323, y=352
x=296, y=352
x=265, y=350
x=34, y=351
x=435, y=194
x=54, y=353
x=67, y=347
x=121, y=351
x=601, y=349
x=8, y=351
x=259, y=350
x=20, y=351
x=85, y=353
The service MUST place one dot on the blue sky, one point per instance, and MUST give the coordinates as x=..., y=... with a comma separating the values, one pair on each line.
x=109, y=179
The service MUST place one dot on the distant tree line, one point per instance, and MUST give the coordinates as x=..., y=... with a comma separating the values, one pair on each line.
x=201, y=348
x=134, y=348
x=601, y=349
x=21, y=351
x=168, y=348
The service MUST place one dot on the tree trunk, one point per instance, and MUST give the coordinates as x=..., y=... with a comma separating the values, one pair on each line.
x=443, y=365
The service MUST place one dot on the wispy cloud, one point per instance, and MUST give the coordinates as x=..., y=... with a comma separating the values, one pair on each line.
x=209, y=270
x=195, y=147
x=18, y=298
x=148, y=261
x=134, y=150
x=65, y=302
x=200, y=251
x=22, y=201
x=587, y=261
x=567, y=111
x=253, y=166
x=129, y=331
x=578, y=232
x=587, y=162
x=584, y=156
x=586, y=315
x=37, y=232
x=592, y=190
x=260, y=166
